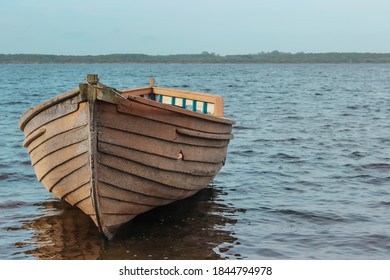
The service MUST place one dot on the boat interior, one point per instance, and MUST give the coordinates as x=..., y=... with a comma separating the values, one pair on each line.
x=207, y=104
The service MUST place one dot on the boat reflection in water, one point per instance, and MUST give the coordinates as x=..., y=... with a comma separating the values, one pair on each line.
x=194, y=228
x=66, y=235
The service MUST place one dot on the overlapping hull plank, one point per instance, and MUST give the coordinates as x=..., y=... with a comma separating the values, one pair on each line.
x=139, y=185
x=116, y=155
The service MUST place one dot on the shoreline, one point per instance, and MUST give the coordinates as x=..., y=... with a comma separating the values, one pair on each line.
x=274, y=57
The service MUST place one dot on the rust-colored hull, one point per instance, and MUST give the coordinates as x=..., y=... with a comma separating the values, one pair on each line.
x=115, y=157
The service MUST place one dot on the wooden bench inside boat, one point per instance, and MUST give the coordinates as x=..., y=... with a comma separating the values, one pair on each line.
x=207, y=104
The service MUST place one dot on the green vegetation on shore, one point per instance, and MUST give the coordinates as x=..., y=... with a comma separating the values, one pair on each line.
x=204, y=57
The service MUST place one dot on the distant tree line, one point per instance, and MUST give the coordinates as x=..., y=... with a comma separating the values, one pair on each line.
x=204, y=57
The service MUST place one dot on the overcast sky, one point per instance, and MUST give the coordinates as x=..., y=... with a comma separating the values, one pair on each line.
x=83, y=27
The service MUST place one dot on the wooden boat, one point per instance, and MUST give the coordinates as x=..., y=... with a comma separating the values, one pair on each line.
x=115, y=154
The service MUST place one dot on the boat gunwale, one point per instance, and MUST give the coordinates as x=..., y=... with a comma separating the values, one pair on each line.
x=31, y=113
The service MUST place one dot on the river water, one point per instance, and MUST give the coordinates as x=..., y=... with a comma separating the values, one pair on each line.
x=307, y=174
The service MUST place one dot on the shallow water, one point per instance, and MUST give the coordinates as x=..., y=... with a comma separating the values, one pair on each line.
x=307, y=175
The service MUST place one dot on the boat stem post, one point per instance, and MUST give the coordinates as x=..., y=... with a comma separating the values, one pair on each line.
x=92, y=79
x=89, y=88
x=151, y=80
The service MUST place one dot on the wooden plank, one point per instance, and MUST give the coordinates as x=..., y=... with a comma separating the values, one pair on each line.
x=218, y=107
x=136, y=92
x=167, y=107
x=59, y=142
x=62, y=171
x=34, y=136
x=174, y=115
x=151, y=128
x=139, y=185
x=27, y=116
x=78, y=194
x=169, y=178
x=162, y=148
x=198, y=134
x=49, y=114
x=76, y=119
x=177, y=165
x=217, y=100
x=58, y=158
x=187, y=94
x=107, y=190
x=71, y=182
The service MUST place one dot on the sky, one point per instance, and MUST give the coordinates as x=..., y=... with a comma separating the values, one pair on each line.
x=163, y=27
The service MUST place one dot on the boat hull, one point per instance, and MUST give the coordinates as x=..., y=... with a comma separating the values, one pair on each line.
x=116, y=157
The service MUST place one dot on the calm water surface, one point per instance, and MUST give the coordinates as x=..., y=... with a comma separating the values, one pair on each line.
x=307, y=175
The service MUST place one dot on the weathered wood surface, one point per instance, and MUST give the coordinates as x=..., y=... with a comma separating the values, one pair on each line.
x=143, y=143
x=167, y=130
x=59, y=153
x=30, y=114
x=115, y=158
